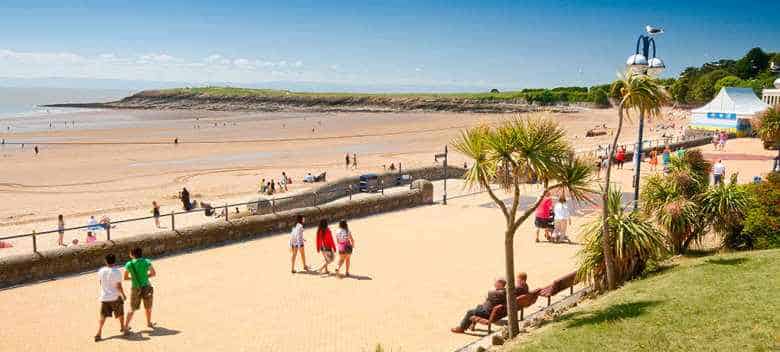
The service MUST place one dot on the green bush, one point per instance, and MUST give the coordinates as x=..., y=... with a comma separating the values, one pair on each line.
x=761, y=229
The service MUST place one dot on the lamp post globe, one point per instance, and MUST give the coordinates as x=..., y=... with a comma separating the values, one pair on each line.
x=655, y=66
x=637, y=63
x=777, y=83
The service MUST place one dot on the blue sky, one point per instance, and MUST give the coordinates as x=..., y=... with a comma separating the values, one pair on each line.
x=505, y=44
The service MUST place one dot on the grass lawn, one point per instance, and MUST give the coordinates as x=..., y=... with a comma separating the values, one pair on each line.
x=717, y=303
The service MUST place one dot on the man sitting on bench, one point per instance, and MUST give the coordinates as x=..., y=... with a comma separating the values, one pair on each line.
x=494, y=298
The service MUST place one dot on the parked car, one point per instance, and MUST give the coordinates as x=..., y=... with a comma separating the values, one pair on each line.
x=369, y=183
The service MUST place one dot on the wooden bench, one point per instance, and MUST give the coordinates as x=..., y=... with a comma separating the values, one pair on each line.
x=559, y=285
x=499, y=311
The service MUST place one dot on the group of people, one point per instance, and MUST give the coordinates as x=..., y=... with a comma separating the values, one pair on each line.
x=719, y=140
x=553, y=218
x=347, y=161
x=269, y=187
x=112, y=295
x=344, y=244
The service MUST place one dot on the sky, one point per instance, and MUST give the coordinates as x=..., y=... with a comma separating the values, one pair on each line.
x=431, y=45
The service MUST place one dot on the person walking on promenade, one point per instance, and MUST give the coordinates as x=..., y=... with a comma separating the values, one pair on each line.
x=718, y=172
x=325, y=245
x=112, y=295
x=495, y=297
x=562, y=219
x=346, y=243
x=283, y=182
x=653, y=160
x=620, y=157
x=156, y=213
x=296, y=244
x=722, y=141
x=354, y=161
x=715, y=140
x=543, y=218
x=60, y=230
x=346, y=159
x=665, y=158
x=139, y=270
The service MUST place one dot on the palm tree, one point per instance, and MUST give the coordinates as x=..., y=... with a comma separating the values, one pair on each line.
x=636, y=92
x=674, y=200
x=725, y=207
x=512, y=153
x=635, y=241
x=768, y=129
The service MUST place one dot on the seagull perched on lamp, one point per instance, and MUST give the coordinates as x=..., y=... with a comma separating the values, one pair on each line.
x=654, y=31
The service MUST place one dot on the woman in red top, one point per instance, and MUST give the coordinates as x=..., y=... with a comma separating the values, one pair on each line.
x=544, y=219
x=620, y=157
x=325, y=245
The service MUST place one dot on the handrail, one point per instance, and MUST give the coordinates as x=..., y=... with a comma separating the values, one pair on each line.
x=315, y=194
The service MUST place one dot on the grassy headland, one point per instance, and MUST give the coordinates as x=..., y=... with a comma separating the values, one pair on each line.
x=717, y=303
x=248, y=99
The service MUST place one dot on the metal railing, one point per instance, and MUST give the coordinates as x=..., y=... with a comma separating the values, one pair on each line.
x=224, y=212
x=647, y=144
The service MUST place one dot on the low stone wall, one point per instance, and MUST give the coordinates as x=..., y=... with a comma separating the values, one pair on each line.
x=25, y=268
x=330, y=191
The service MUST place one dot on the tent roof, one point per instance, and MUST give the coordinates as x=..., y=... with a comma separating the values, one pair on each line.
x=740, y=101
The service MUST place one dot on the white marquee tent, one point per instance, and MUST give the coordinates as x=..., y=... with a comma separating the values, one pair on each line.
x=730, y=110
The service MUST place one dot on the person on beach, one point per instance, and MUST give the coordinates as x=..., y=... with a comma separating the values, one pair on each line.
x=112, y=295
x=36, y=150
x=562, y=219
x=296, y=244
x=543, y=218
x=185, y=199
x=156, y=213
x=354, y=161
x=283, y=182
x=346, y=244
x=653, y=159
x=666, y=156
x=263, y=186
x=60, y=230
x=346, y=159
x=718, y=172
x=620, y=157
x=91, y=238
x=92, y=224
x=273, y=187
x=494, y=297
x=139, y=270
x=715, y=140
x=325, y=245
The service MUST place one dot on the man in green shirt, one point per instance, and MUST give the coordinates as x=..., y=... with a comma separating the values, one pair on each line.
x=139, y=270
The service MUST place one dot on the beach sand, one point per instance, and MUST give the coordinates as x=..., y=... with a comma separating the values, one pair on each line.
x=116, y=163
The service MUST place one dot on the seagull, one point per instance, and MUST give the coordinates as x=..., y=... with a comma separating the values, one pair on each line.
x=653, y=31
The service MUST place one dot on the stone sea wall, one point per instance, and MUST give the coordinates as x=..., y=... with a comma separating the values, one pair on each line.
x=27, y=268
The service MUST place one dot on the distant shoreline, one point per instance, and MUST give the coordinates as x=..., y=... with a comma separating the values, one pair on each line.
x=257, y=100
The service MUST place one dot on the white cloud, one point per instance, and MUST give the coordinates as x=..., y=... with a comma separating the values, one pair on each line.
x=147, y=66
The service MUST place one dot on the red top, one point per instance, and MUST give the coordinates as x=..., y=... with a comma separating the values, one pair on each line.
x=325, y=240
x=620, y=155
x=543, y=211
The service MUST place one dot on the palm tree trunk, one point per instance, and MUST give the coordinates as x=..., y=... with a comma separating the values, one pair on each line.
x=606, y=240
x=511, y=303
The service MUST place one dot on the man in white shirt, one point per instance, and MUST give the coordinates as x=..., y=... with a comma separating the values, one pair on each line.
x=718, y=171
x=112, y=296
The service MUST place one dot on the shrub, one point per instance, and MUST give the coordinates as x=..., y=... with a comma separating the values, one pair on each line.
x=761, y=228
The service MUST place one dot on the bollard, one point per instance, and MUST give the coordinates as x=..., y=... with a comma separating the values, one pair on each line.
x=173, y=221
x=108, y=230
x=35, y=242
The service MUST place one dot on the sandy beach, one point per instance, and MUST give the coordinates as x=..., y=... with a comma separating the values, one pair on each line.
x=116, y=163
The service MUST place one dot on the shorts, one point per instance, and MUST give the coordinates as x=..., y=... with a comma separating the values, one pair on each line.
x=296, y=245
x=137, y=294
x=115, y=308
x=543, y=223
x=345, y=248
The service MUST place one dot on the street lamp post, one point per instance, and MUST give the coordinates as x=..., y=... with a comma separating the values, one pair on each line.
x=642, y=63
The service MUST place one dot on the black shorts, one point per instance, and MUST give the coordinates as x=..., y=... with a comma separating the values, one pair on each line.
x=543, y=223
x=115, y=308
x=347, y=249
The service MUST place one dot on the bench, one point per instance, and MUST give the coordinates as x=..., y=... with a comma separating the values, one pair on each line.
x=499, y=311
x=559, y=285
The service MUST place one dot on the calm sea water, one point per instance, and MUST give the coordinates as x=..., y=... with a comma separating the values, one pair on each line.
x=20, y=102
